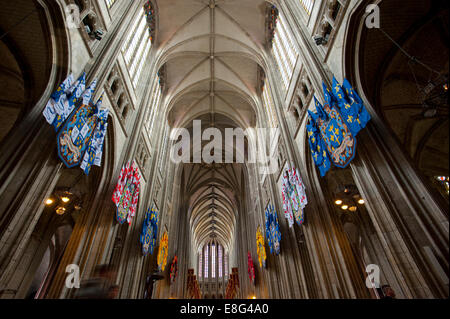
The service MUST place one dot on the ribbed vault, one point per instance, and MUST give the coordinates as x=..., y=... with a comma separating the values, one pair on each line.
x=213, y=191
x=211, y=54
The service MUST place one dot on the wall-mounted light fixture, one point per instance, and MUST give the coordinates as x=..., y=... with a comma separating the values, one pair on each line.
x=61, y=210
x=349, y=199
x=63, y=200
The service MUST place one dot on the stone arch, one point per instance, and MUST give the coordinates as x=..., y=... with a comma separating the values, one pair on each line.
x=377, y=72
x=31, y=69
x=81, y=191
x=390, y=82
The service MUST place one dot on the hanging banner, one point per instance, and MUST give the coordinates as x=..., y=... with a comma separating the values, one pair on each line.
x=273, y=233
x=81, y=124
x=94, y=153
x=63, y=100
x=174, y=270
x=163, y=251
x=294, y=196
x=260, y=248
x=126, y=193
x=333, y=128
x=149, y=231
x=251, y=269
x=76, y=139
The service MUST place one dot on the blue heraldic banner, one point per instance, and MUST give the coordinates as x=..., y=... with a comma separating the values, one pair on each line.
x=333, y=128
x=149, y=231
x=273, y=233
x=81, y=124
x=93, y=155
x=62, y=102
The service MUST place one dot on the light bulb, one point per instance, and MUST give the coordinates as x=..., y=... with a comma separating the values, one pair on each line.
x=338, y=202
x=344, y=207
x=361, y=201
x=60, y=210
x=49, y=201
x=65, y=199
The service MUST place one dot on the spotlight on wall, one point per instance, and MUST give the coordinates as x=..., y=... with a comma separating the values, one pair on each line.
x=65, y=199
x=347, y=197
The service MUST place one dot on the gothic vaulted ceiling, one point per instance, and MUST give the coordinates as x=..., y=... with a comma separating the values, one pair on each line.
x=213, y=192
x=211, y=53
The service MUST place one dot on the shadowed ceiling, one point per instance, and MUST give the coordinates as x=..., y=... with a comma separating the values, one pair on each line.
x=403, y=90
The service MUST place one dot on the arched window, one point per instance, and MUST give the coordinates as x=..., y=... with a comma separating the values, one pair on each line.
x=206, y=260
x=200, y=264
x=226, y=265
x=110, y=3
x=156, y=100
x=212, y=259
x=220, y=260
x=136, y=47
x=268, y=103
x=307, y=5
x=284, y=51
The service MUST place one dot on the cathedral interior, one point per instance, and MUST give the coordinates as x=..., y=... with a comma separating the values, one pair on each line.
x=118, y=178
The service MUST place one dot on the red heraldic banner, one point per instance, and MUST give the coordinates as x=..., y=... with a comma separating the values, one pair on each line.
x=126, y=193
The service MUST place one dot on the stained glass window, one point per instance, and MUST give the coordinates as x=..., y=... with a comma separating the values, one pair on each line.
x=154, y=105
x=213, y=261
x=226, y=265
x=220, y=257
x=284, y=51
x=136, y=47
x=110, y=3
x=206, y=260
x=307, y=5
x=268, y=102
x=200, y=264
x=162, y=161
